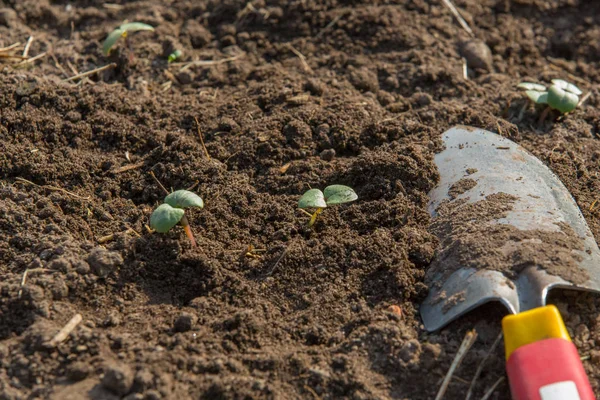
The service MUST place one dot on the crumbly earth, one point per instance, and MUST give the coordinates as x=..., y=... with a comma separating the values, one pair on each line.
x=288, y=95
x=470, y=238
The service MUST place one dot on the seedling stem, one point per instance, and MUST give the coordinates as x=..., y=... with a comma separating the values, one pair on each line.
x=188, y=230
x=314, y=216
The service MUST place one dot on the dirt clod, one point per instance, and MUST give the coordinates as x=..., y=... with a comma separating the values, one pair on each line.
x=118, y=378
x=104, y=262
x=185, y=322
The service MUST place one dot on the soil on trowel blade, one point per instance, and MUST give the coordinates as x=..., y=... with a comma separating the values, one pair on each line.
x=471, y=237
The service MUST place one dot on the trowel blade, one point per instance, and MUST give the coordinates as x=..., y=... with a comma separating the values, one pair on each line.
x=509, y=230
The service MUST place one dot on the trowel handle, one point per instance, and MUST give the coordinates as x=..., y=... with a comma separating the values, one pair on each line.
x=541, y=361
x=548, y=369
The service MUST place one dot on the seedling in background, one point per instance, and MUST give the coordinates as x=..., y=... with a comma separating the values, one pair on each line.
x=123, y=31
x=334, y=194
x=174, y=56
x=562, y=96
x=172, y=212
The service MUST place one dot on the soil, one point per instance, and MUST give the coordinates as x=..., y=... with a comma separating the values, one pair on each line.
x=297, y=94
x=470, y=237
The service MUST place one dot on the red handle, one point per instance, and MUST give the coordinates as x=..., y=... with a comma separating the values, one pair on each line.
x=548, y=369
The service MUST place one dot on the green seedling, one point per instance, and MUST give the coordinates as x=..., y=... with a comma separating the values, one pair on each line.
x=172, y=212
x=562, y=96
x=174, y=56
x=334, y=194
x=122, y=32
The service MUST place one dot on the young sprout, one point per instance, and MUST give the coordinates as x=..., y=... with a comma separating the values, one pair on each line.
x=171, y=212
x=174, y=56
x=334, y=194
x=122, y=31
x=562, y=96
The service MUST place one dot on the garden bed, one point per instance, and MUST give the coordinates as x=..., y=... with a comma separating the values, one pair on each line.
x=295, y=95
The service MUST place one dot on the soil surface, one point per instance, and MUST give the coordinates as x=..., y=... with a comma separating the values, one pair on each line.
x=289, y=95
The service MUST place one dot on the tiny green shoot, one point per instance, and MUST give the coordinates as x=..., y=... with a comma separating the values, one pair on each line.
x=174, y=56
x=172, y=212
x=122, y=31
x=332, y=195
x=562, y=96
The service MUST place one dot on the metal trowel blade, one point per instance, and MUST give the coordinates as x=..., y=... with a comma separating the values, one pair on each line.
x=493, y=191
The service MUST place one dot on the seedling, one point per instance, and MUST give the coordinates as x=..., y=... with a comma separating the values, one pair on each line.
x=334, y=194
x=172, y=212
x=562, y=96
x=122, y=31
x=174, y=56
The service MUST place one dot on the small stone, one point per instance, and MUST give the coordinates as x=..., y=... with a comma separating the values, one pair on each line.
x=477, y=54
x=104, y=262
x=185, y=322
x=328, y=155
x=118, y=379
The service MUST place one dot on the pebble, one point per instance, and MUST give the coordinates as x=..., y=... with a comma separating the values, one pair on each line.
x=477, y=54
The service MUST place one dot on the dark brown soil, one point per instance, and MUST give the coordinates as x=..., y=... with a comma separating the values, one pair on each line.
x=302, y=313
x=471, y=238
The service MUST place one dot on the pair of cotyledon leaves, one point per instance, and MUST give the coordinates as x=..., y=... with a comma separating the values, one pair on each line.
x=562, y=95
x=169, y=214
x=121, y=31
x=334, y=194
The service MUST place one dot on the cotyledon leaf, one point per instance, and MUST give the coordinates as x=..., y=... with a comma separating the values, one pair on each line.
x=184, y=199
x=122, y=30
x=165, y=217
x=532, y=86
x=338, y=194
x=136, y=26
x=562, y=100
x=537, y=97
x=111, y=39
x=313, y=198
x=566, y=86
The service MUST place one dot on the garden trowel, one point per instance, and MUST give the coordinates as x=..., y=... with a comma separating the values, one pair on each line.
x=509, y=231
